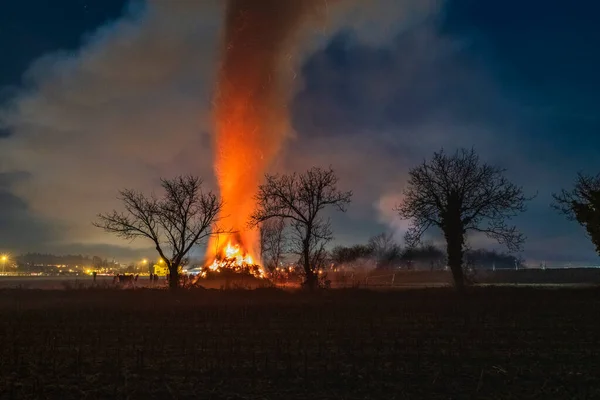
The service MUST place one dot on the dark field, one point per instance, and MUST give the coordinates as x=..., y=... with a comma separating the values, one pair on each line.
x=265, y=344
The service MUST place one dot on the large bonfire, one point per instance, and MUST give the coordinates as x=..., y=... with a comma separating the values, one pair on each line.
x=232, y=258
x=251, y=118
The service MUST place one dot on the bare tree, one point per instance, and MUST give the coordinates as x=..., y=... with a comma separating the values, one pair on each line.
x=425, y=256
x=457, y=194
x=182, y=218
x=582, y=204
x=385, y=249
x=347, y=255
x=300, y=198
x=272, y=242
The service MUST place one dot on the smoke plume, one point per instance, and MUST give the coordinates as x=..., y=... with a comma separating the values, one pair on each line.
x=250, y=107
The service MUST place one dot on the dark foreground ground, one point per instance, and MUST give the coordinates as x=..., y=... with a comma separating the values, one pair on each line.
x=340, y=344
x=373, y=279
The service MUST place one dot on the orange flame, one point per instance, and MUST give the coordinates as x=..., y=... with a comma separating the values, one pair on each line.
x=234, y=259
x=251, y=117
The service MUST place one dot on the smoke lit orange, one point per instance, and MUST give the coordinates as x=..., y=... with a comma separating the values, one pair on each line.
x=251, y=118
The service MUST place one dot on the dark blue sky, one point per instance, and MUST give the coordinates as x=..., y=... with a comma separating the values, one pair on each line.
x=544, y=55
x=517, y=79
x=34, y=27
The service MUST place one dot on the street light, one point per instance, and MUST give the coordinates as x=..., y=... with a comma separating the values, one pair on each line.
x=4, y=258
x=143, y=261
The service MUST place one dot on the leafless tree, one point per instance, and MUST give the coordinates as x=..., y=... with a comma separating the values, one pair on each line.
x=273, y=242
x=385, y=249
x=582, y=204
x=300, y=199
x=182, y=218
x=382, y=242
x=458, y=194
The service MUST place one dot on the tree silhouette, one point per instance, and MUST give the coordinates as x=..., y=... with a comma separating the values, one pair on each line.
x=300, y=199
x=182, y=218
x=457, y=194
x=425, y=256
x=582, y=204
x=346, y=254
x=273, y=242
x=385, y=249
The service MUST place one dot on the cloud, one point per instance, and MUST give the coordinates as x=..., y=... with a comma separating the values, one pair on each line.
x=379, y=87
x=385, y=207
x=373, y=111
x=377, y=22
x=20, y=229
x=131, y=105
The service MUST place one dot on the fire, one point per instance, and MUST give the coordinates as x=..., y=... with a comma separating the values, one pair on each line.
x=235, y=255
x=233, y=258
x=250, y=114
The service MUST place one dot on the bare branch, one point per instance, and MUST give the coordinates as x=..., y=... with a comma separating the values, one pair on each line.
x=582, y=204
x=273, y=242
x=458, y=193
x=300, y=198
x=182, y=218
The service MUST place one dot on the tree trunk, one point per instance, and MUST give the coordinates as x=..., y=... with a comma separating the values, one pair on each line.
x=311, y=282
x=454, y=248
x=173, y=278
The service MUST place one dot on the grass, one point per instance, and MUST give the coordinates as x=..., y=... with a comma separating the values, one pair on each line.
x=267, y=344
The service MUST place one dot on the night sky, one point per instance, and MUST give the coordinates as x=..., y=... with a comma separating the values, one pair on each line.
x=96, y=96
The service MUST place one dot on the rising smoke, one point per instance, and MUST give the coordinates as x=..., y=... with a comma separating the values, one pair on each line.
x=250, y=107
